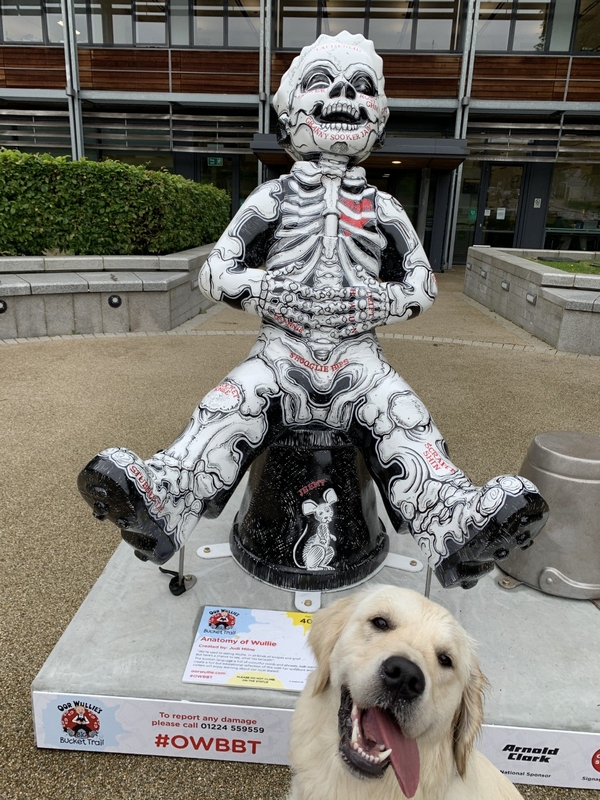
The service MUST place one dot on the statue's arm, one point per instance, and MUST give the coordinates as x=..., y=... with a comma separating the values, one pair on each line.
x=233, y=273
x=405, y=270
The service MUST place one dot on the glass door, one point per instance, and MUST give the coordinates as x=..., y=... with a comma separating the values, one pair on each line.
x=497, y=219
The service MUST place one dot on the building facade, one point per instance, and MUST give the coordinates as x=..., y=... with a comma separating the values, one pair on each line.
x=494, y=133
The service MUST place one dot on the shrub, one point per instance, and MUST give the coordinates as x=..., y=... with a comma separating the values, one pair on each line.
x=102, y=208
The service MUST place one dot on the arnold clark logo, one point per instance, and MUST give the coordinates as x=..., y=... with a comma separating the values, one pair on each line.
x=80, y=722
x=540, y=754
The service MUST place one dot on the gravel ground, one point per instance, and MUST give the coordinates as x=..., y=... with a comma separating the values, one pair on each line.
x=63, y=401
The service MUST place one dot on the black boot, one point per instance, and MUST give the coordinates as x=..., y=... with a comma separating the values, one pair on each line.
x=113, y=495
x=514, y=525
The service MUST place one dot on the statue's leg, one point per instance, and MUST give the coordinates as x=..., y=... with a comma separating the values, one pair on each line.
x=157, y=502
x=461, y=528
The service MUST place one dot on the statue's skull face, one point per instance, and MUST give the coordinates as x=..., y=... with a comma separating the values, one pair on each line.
x=335, y=105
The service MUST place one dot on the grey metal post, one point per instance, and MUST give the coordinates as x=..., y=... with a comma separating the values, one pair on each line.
x=428, y=576
x=261, y=80
x=423, y=202
x=268, y=20
x=462, y=116
x=72, y=73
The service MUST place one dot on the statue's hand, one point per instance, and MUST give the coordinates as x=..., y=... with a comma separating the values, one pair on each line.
x=340, y=312
x=286, y=302
x=352, y=309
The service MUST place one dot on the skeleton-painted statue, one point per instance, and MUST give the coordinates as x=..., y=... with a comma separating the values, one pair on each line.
x=323, y=258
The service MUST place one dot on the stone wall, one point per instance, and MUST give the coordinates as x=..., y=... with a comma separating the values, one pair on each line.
x=560, y=308
x=58, y=295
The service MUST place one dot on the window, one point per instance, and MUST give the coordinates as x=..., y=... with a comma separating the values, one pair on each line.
x=391, y=24
x=562, y=26
x=520, y=26
x=573, y=220
x=150, y=23
x=208, y=23
x=296, y=23
x=342, y=15
x=493, y=30
x=243, y=23
x=587, y=37
x=437, y=25
x=180, y=22
x=537, y=26
x=530, y=25
x=111, y=22
x=22, y=22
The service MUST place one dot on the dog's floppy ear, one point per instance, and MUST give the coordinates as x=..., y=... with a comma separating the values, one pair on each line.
x=326, y=629
x=468, y=719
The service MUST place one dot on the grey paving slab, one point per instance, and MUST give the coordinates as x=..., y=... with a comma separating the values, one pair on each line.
x=55, y=282
x=162, y=281
x=21, y=264
x=11, y=285
x=186, y=259
x=573, y=299
x=112, y=281
x=73, y=263
x=587, y=282
x=130, y=262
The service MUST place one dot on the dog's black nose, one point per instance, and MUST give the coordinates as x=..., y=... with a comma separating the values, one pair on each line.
x=404, y=677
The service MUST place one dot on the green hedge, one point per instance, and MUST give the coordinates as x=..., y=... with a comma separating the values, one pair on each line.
x=102, y=208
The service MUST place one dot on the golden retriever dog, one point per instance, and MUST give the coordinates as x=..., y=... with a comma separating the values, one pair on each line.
x=394, y=706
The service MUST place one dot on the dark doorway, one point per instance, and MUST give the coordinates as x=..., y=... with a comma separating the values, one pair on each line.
x=513, y=202
x=498, y=204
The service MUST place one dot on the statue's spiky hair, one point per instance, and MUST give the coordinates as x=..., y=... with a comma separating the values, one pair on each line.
x=290, y=79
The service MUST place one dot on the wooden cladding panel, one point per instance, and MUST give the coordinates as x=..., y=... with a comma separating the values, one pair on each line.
x=519, y=77
x=32, y=68
x=421, y=76
x=405, y=75
x=584, y=81
x=210, y=72
x=124, y=70
x=280, y=62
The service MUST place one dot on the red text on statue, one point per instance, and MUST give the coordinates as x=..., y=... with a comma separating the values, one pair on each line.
x=229, y=389
x=433, y=457
x=310, y=486
x=137, y=473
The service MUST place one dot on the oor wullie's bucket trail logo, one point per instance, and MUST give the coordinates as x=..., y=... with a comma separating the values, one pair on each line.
x=221, y=620
x=80, y=720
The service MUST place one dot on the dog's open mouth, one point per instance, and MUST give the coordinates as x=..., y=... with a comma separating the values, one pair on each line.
x=371, y=741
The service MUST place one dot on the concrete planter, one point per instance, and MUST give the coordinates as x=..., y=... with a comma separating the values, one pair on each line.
x=560, y=308
x=61, y=295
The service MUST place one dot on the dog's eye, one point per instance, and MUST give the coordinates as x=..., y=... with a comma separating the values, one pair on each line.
x=445, y=660
x=380, y=623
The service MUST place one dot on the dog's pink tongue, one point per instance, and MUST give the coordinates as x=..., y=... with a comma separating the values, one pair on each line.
x=404, y=757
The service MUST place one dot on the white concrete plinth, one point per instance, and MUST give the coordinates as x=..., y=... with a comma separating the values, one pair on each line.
x=131, y=638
